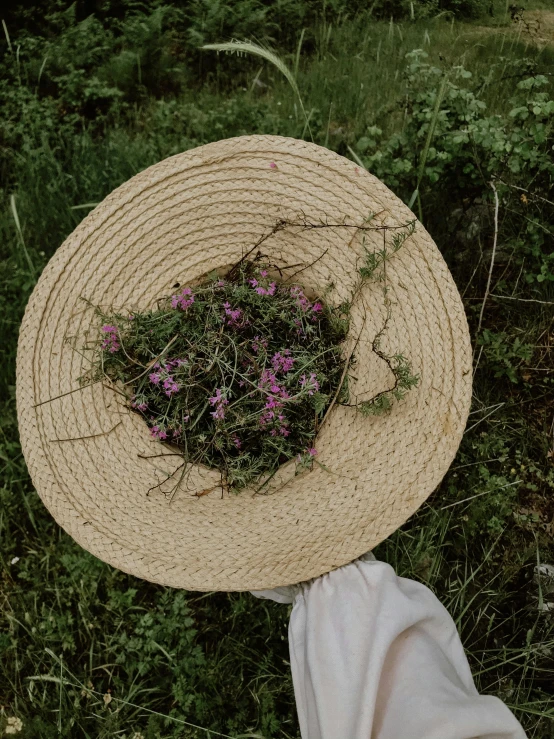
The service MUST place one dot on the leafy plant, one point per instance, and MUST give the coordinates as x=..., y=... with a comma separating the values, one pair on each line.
x=505, y=355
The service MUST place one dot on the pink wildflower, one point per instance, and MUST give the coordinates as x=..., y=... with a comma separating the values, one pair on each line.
x=266, y=291
x=232, y=315
x=301, y=300
x=310, y=383
x=138, y=403
x=310, y=452
x=282, y=362
x=184, y=300
x=220, y=402
x=170, y=386
x=157, y=433
x=163, y=375
x=268, y=381
x=110, y=342
x=263, y=290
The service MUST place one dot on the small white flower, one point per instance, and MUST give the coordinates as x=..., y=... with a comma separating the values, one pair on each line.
x=14, y=725
x=137, y=735
x=15, y=560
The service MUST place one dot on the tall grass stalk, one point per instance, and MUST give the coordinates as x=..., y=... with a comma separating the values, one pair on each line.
x=249, y=47
x=6, y=33
x=15, y=214
x=425, y=152
x=297, y=56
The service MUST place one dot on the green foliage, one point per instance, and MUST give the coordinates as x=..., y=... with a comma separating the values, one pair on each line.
x=469, y=149
x=375, y=260
x=405, y=380
x=505, y=355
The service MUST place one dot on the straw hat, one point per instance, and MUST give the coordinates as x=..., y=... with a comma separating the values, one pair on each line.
x=175, y=222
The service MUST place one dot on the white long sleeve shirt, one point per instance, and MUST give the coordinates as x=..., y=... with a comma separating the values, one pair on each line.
x=376, y=656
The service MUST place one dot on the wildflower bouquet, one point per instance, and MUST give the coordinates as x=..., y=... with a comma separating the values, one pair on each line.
x=236, y=372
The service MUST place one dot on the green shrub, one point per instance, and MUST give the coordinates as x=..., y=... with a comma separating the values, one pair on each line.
x=449, y=150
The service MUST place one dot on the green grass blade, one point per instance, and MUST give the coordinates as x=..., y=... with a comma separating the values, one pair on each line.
x=248, y=47
x=297, y=57
x=20, y=234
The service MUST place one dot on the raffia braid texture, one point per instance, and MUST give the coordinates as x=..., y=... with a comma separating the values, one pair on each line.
x=175, y=222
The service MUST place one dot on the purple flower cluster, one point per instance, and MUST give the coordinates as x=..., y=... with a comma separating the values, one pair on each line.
x=158, y=432
x=309, y=452
x=282, y=362
x=304, y=304
x=270, y=290
x=277, y=393
x=163, y=376
x=301, y=300
x=184, y=300
x=219, y=401
x=310, y=383
x=161, y=431
x=139, y=403
x=110, y=342
x=232, y=316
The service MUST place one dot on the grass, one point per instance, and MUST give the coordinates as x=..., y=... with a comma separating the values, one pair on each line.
x=86, y=651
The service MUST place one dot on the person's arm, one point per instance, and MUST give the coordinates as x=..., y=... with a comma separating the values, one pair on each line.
x=376, y=656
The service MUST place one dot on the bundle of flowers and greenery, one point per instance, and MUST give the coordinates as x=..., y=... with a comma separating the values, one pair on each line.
x=239, y=371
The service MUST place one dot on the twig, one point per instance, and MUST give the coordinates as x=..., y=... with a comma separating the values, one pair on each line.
x=277, y=227
x=309, y=226
x=307, y=266
x=92, y=436
x=522, y=300
x=343, y=375
x=154, y=456
x=69, y=392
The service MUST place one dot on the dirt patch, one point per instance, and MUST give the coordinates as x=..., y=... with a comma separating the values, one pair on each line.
x=536, y=26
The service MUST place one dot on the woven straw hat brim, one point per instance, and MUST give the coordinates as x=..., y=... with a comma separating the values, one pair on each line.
x=175, y=222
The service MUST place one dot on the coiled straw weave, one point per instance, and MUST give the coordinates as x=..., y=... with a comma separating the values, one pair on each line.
x=175, y=222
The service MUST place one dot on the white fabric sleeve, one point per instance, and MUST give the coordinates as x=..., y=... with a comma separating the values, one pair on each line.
x=376, y=656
